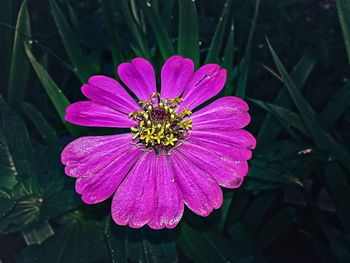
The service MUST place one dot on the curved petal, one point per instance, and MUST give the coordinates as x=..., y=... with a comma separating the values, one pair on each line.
x=139, y=77
x=136, y=198
x=228, y=113
x=88, y=155
x=98, y=187
x=175, y=74
x=89, y=113
x=224, y=170
x=109, y=92
x=204, y=84
x=170, y=204
x=236, y=144
x=200, y=192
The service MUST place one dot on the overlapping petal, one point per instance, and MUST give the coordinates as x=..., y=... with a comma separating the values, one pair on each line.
x=200, y=192
x=170, y=205
x=227, y=113
x=139, y=77
x=223, y=169
x=174, y=77
x=92, y=114
x=107, y=91
x=135, y=200
x=204, y=84
x=100, y=163
x=89, y=154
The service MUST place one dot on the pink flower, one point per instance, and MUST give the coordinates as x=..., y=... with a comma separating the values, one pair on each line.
x=170, y=156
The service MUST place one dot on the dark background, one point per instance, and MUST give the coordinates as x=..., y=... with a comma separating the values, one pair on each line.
x=294, y=205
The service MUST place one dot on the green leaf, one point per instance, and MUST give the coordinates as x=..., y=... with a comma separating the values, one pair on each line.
x=19, y=64
x=340, y=192
x=268, y=130
x=77, y=240
x=244, y=67
x=203, y=246
x=24, y=213
x=37, y=234
x=188, y=40
x=113, y=34
x=274, y=228
x=117, y=241
x=55, y=94
x=82, y=67
x=228, y=62
x=16, y=153
x=343, y=7
x=160, y=33
x=146, y=245
x=336, y=107
x=216, y=43
x=48, y=134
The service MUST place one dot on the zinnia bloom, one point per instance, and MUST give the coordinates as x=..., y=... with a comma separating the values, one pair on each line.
x=169, y=156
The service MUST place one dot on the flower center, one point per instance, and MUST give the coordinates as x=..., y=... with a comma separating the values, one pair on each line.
x=159, y=125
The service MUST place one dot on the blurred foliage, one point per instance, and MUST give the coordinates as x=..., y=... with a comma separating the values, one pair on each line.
x=288, y=58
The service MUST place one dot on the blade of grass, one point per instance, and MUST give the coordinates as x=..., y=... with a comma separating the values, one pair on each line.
x=228, y=61
x=244, y=69
x=216, y=43
x=336, y=107
x=304, y=108
x=339, y=247
x=285, y=116
x=160, y=33
x=256, y=211
x=167, y=13
x=48, y=133
x=340, y=192
x=6, y=17
x=19, y=69
x=134, y=29
x=343, y=8
x=268, y=131
x=320, y=137
x=275, y=227
x=55, y=94
x=82, y=68
x=113, y=34
x=187, y=44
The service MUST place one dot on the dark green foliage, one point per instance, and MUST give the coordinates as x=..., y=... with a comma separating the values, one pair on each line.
x=290, y=59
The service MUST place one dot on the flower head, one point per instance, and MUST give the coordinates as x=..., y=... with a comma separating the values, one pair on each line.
x=172, y=155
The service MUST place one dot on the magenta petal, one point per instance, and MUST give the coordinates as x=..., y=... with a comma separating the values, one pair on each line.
x=136, y=198
x=200, y=192
x=139, y=77
x=228, y=113
x=225, y=171
x=88, y=113
x=170, y=204
x=98, y=187
x=109, y=92
x=204, y=84
x=236, y=144
x=175, y=74
x=87, y=155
